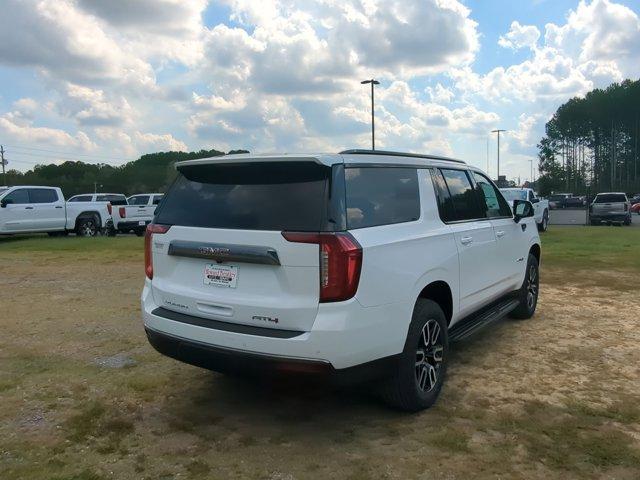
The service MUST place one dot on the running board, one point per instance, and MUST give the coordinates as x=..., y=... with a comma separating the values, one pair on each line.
x=471, y=325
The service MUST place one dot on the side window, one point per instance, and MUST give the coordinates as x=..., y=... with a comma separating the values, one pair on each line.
x=491, y=200
x=139, y=200
x=531, y=196
x=381, y=196
x=156, y=199
x=17, y=197
x=445, y=204
x=463, y=197
x=43, y=195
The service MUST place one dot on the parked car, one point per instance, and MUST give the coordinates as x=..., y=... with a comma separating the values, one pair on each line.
x=31, y=209
x=136, y=215
x=635, y=208
x=540, y=206
x=558, y=200
x=112, y=198
x=362, y=265
x=634, y=199
x=610, y=208
x=575, y=202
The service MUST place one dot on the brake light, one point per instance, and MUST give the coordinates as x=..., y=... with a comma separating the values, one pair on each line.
x=109, y=208
x=148, y=236
x=340, y=263
x=123, y=212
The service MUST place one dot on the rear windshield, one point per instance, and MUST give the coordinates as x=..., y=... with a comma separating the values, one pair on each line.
x=248, y=196
x=511, y=195
x=113, y=199
x=610, y=198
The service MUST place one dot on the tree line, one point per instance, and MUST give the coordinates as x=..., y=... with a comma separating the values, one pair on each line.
x=152, y=172
x=591, y=143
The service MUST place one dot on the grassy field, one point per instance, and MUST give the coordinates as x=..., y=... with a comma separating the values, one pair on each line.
x=84, y=397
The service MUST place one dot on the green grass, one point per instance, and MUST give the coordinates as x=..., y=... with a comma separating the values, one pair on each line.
x=42, y=243
x=598, y=248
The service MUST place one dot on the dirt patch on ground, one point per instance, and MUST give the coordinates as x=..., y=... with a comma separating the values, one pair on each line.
x=551, y=397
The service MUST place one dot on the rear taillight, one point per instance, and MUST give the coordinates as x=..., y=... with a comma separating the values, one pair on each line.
x=340, y=263
x=109, y=208
x=123, y=212
x=148, y=236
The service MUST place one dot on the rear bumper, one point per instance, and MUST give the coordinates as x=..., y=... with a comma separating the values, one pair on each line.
x=240, y=362
x=131, y=225
x=613, y=217
x=343, y=335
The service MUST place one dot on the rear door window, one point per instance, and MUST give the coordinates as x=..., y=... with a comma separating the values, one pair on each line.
x=43, y=195
x=381, y=196
x=157, y=199
x=463, y=197
x=250, y=196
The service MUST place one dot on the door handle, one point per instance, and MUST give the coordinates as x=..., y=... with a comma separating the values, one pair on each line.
x=466, y=240
x=28, y=208
x=499, y=234
x=58, y=206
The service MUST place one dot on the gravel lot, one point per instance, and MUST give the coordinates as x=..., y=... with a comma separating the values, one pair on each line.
x=85, y=397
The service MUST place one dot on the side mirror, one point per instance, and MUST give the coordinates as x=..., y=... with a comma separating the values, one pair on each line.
x=4, y=203
x=522, y=209
x=535, y=200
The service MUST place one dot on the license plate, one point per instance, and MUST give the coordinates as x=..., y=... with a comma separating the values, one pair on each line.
x=141, y=223
x=220, y=275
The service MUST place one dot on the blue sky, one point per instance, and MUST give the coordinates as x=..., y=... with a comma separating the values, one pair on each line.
x=109, y=81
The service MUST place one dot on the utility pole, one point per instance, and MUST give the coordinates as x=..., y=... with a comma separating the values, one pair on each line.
x=373, y=129
x=531, y=162
x=4, y=162
x=498, y=130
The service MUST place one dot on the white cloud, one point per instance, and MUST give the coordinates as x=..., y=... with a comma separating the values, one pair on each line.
x=123, y=78
x=23, y=131
x=440, y=94
x=520, y=36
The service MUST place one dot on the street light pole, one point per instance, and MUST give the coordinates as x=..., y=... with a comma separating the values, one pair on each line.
x=4, y=162
x=373, y=128
x=498, y=132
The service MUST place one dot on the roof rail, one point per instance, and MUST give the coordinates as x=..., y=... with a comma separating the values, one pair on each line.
x=359, y=151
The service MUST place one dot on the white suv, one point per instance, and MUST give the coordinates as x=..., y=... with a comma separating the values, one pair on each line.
x=363, y=265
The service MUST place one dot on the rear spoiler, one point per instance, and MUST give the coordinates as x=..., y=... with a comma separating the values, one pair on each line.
x=326, y=160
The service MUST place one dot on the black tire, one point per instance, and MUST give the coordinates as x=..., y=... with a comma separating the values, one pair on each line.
x=627, y=221
x=111, y=232
x=416, y=386
x=594, y=222
x=87, y=227
x=140, y=232
x=529, y=290
x=542, y=227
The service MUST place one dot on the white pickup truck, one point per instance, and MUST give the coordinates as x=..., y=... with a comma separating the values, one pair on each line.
x=33, y=209
x=540, y=206
x=136, y=215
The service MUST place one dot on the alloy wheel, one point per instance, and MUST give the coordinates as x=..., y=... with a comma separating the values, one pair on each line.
x=532, y=286
x=88, y=229
x=429, y=356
